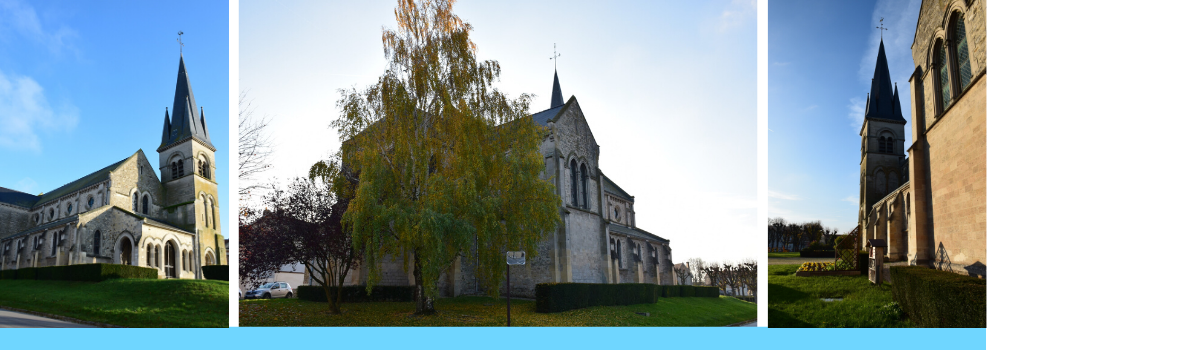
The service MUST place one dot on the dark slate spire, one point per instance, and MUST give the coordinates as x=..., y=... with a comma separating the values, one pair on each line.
x=185, y=119
x=556, y=96
x=166, y=138
x=883, y=104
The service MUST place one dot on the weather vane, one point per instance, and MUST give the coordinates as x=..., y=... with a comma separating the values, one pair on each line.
x=555, y=56
x=881, y=28
x=180, y=41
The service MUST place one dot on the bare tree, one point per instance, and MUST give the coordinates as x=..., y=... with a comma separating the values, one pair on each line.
x=699, y=273
x=254, y=146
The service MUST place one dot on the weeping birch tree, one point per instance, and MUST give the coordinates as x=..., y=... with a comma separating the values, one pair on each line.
x=440, y=164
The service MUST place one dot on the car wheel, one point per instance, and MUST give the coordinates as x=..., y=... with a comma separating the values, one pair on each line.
x=289, y=296
x=267, y=295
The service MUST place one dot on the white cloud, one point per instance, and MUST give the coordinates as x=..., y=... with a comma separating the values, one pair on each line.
x=858, y=110
x=851, y=199
x=736, y=14
x=24, y=112
x=784, y=196
x=27, y=185
x=16, y=16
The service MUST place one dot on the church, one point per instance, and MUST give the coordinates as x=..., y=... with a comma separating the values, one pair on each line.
x=929, y=202
x=124, y=213
x=599, y=240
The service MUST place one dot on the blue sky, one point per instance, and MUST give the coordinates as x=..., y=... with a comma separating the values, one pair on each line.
x=822, y=57
x=84, y=84
x=668, y=88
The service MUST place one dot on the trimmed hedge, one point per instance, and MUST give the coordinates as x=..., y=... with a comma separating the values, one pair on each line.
x=689, y=291
x=357, y=294
x=556, y=297
x=940, y=299
x=84, y=272
x=215, y=272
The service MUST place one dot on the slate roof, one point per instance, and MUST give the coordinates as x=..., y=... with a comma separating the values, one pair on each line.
x=883, y=103
x=611, y=187
x=39, y=228
x=545, y=116
x=185, y=120
x=636, y=232
x=24, y=199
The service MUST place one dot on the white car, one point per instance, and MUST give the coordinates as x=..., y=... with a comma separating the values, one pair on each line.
x=271, y=290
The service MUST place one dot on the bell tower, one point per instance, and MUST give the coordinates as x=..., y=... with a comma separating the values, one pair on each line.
x=187, y=162
x=882, y=157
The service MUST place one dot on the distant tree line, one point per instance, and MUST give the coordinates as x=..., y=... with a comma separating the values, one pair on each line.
x=793, y=236
x=733, y=278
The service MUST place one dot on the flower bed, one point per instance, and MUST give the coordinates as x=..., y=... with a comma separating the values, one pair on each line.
x=826, y=269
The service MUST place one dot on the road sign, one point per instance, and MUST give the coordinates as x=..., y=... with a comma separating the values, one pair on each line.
x=516, y=258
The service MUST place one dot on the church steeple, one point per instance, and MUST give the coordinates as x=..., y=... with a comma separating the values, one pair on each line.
x=185, y=119
x=556, y=98
x=883, y=104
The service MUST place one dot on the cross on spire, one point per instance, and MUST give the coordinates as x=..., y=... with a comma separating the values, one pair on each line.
x=180, y=41
x=881, y=28
x=555, y=56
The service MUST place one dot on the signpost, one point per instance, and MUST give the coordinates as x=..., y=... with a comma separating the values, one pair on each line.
x=514, y=258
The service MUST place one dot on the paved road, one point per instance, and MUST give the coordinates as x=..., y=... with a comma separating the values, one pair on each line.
x=11, y=319
x=751, y=324
x=785, y=261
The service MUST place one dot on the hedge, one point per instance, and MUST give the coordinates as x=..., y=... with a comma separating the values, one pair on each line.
x=84, y=272
x=940, y=299
x=215, y=272
x=690, y=291
x=356, y=294
x=556, y=297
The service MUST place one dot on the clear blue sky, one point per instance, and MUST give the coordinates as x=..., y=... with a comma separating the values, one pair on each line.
x=668, y=88
x=84, y=85
x=822, y=57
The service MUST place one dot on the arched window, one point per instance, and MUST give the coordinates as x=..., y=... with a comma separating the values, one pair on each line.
x=209, y=258
x=574, y=184
x=145, y=204
x=959, y=52
x=583, y=183
x=942, y=82
x=91, y=201
x=180, y=165
x=51, y=215
x=96, y=243
x=135, y=206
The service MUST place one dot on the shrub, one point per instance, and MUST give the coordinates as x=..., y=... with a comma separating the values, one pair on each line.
x=215, y=272
x=84, y=272
x=687, y=291
x=357, y=294
x=940, y=299
x=556, y=297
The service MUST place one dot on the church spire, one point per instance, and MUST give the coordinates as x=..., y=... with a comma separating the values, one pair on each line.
x=185, y=119
x=883, y=104
x=556, y=98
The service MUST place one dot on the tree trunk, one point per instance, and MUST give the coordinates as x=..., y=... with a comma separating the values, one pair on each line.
x=424, y=304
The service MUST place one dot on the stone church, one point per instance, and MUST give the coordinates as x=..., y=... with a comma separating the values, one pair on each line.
x=930, y=204
x=599, y=240
x=124, y=213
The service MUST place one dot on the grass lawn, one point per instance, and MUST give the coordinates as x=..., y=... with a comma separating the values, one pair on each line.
x=782, y=270
x=125, y=302
x=784, y=255
x=796, y=302
x=468, y=311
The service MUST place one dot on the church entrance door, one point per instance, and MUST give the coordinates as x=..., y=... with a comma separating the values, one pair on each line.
x=126, y=252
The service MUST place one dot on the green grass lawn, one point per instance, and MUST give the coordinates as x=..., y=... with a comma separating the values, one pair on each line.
x=483, y=311
x=784, y=255
x=782, y=269
x=125, y=302
x=796, y=302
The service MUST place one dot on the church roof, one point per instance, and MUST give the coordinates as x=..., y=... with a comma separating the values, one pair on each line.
x=636, y=232
x=546, y=116
x=44, y=226
x=30, y=201
x=186, y=122
x=611, y=187
x=556, y=96
x=883, y=103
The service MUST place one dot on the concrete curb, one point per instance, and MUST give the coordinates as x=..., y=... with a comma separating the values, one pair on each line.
x=60, y=318
x=739, y=324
